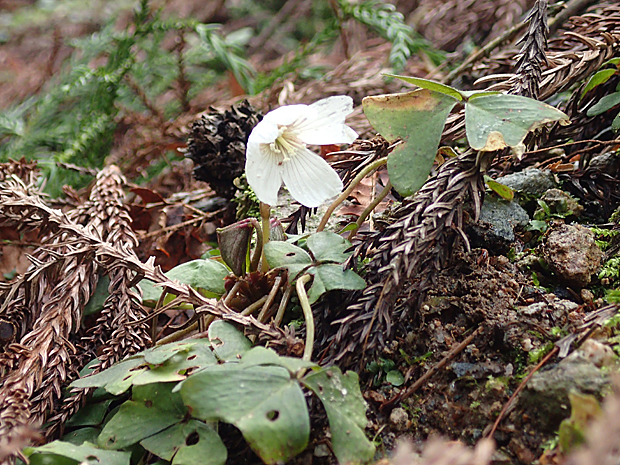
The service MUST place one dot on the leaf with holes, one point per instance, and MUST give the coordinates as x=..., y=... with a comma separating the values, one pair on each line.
x=284, y=255
x=264, y=402
x=166, y=363
x=418, y=118
x=227, y=341
x=195, y=357
x=152, y=409
x=346, y=411
x=59, y=453
x=263, y=356
x=116, y=379
x=188, y=443
x=493, y=122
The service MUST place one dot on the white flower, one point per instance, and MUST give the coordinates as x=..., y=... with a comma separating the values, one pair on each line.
x=277, y=152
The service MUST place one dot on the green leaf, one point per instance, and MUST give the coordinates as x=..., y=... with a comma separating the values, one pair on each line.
x=395, y=378
x=207, y=275
x=604, y=104
x=118, y=376
x=263, y=356
x=160, y=354
x=346, y=411
x=328, y=277
x=493, y=122
x=152, y=409
x=327, y=246
x=227, y=341
x=503, y=191
x=179, y=366
x=207, y=447
x=597, y=79
x=613, y=61
x=431, y=85
x=418, y=117
x=284, y=255
x=281, y=254
x=82, y=435
x=615, y=124
x=262, y=401
x=95, y=303
x=84, y=454
x=167, y=363
x=90, y=415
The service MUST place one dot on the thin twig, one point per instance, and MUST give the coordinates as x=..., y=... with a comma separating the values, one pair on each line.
x=519, y=389
x=400, y=397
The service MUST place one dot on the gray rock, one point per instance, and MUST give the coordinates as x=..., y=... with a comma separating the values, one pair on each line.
x=605, y=162
x=561, y=203
x=498, y=219
x=531, y=182
x=545, y=397
x=571, y=252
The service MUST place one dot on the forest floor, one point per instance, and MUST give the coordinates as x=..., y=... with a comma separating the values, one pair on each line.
x=529, y=296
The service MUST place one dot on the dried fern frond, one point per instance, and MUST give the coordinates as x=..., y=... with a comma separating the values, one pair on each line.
x=116, y=333
x=412, y=248
x=532, y=55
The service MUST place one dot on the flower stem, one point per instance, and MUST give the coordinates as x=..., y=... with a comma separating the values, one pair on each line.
x=368, y=210
x=342, y=197
x=265, y=211
x=307, y=310
x=258, y=251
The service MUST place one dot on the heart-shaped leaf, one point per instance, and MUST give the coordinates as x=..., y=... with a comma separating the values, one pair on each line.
x=328, y=277
x=227, y=341
x=264, y=402
x=493, y=122
x=188, y=443
x=152, y=409
x=207, y=275
x=54, y=452
x=418, y=118
x=346, y=411
x=327, y=246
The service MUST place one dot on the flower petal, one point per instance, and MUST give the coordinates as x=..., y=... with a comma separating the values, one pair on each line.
x=287, y=114
x=264, y=132
x=325, y=122
x=263, y=172
x=309, y=179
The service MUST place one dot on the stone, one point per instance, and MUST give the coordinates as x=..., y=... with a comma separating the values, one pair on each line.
x=561, y=203
x=498, y=220
x=545, y=397
x=533, y=182
x=572, y=253
x=399, y=419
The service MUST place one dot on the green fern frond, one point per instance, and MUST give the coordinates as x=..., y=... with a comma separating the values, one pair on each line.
x=390, y=24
